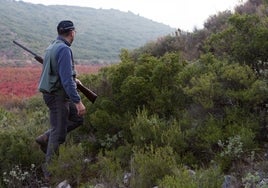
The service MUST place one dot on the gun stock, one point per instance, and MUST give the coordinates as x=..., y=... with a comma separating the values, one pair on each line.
x=90, y=95
x=87, y=92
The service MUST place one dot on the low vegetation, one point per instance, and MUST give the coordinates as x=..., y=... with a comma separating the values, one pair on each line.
x=163, y=117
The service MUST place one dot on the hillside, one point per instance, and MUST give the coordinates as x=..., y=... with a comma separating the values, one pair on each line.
x=101, y=33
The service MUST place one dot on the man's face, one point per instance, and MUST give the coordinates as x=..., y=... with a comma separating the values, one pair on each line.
x=73, y=32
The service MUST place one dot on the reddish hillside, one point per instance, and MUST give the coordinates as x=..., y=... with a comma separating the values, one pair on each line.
x=21, y=82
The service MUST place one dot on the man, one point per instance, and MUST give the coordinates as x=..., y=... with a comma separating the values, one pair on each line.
x=58, y=85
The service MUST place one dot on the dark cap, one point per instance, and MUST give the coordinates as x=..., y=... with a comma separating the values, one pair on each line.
x=65, y=26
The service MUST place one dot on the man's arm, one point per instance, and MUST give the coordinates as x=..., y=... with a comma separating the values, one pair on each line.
x=65, y=73
x=67, y=80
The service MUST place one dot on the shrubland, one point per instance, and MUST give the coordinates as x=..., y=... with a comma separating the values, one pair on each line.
x=161, y=119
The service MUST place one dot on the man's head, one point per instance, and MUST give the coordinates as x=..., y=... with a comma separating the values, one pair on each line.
x=66, y=29
x=65, y=26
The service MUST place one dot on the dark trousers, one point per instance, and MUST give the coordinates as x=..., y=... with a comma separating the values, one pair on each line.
x=63, y=119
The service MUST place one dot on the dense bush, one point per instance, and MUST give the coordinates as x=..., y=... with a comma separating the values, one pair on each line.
x=21, y=158
x=151, y=165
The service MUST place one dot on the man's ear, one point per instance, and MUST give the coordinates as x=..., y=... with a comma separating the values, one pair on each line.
x=73, y=32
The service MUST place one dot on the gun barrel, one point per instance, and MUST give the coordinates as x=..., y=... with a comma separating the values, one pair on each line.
x=23, y=47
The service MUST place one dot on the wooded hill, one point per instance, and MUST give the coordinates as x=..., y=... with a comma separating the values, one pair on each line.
x=101, y=33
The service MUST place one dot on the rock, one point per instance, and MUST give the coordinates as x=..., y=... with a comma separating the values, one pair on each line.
x=263, y=183
x=126, y=179
x=63, y=184
x=229, y=182
x=99, y=186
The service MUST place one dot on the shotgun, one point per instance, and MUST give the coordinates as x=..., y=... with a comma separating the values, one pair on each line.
x=87, y=92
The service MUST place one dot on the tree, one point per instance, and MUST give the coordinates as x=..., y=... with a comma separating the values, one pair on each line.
x=244, y=41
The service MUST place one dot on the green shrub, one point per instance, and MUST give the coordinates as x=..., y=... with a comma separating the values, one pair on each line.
x=210, y=178
x=107, y=127
x=150, y=166
x=16, y=147
x=19, y=127
x=18, y=152
x=68, y=165
x=181, y=179
x=185, y=178
x=109, y=168
x=123, y=153
x=236, y=147
x=147, y=130
x=151, y=130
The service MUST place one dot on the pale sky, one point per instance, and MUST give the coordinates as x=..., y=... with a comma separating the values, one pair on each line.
x=183, y=14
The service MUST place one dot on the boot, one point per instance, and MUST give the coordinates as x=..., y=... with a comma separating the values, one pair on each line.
x=42, y=140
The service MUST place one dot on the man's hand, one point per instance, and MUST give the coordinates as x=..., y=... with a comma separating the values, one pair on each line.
x=81, y=109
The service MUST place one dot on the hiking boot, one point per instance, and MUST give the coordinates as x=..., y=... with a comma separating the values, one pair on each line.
x=42, y=140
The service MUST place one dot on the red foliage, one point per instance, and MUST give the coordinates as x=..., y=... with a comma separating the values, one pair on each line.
x=22, y=82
